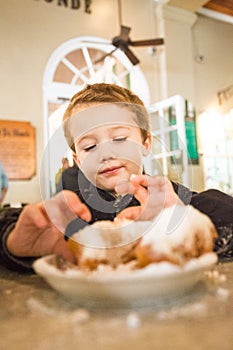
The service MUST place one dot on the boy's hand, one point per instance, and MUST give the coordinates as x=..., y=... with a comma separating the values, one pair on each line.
x=153, y=192
x=40, y=227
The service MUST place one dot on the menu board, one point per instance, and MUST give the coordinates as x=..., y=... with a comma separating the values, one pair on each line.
x=17, y=149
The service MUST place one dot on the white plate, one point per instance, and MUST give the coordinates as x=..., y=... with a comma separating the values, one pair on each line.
x=151, y=285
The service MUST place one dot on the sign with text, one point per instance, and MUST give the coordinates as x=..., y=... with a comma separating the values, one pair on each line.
x=17, y=149
x=73, y=4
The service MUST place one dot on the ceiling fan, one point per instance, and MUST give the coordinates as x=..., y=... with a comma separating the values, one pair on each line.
x=123, y=41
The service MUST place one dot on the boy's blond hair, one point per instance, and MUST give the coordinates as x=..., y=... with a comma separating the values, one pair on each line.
x=106, y=93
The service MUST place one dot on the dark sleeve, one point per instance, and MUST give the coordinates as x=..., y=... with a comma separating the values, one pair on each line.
x=8, y=219
x=219, y=207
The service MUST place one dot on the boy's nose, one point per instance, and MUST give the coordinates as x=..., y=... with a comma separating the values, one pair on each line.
x=106, y=152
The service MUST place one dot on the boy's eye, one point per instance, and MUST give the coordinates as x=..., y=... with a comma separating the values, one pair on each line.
x=89, y=148
x=120, y=139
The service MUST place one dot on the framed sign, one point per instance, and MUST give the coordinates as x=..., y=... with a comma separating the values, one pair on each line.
x=17, y=149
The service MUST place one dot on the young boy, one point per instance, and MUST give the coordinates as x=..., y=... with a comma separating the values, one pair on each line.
x=107, y=127
x=110, y=158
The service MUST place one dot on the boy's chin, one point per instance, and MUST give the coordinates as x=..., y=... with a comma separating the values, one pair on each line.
x=110, y=186
x=112, y=182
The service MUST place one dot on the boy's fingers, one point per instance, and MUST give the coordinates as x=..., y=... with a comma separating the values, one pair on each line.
x=141, y=193
x=68, y=203
x=132, y=213
x=142, y=180
x=61, y=248
x=137, y=187
x=151, y=186
x=76, y=206
x=150, y=182
x=153, y=192
x=141, y=185
x=124, y=187
x=33, y=214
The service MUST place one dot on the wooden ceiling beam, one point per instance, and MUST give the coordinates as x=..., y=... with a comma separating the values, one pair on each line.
x=222, y=6
x=189, y=5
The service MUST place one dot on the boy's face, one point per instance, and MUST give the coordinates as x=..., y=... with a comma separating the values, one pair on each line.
x=108, y=144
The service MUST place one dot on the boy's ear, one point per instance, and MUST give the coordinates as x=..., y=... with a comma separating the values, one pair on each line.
x=147, y=144
x=75, y=159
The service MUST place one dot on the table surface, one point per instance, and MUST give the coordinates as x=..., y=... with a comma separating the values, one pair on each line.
x=34, y=316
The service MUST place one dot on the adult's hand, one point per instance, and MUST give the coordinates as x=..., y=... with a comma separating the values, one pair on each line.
x=154, y=194
x=40, y=227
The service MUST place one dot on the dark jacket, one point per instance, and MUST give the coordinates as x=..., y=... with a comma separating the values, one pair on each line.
x=105, y=206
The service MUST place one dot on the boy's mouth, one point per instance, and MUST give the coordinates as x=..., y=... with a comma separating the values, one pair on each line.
x=111, y=170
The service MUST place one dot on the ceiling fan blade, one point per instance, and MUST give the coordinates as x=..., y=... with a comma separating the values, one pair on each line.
x=133, y=59
x=148, y=42
x=104, y=56
x=124, y=34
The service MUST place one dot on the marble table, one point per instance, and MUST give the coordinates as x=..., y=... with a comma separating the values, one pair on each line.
x=33, y=316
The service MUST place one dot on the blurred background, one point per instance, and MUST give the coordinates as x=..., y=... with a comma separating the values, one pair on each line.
x=51, y=49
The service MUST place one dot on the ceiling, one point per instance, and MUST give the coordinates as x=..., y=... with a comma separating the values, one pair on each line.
x=224, y=7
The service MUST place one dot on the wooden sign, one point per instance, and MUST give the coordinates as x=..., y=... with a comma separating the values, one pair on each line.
x=73, y=4
x=17, y=149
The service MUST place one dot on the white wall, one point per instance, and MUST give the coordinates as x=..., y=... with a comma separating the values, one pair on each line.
x=189, y=36
x=30, y=30
x=214, y=41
